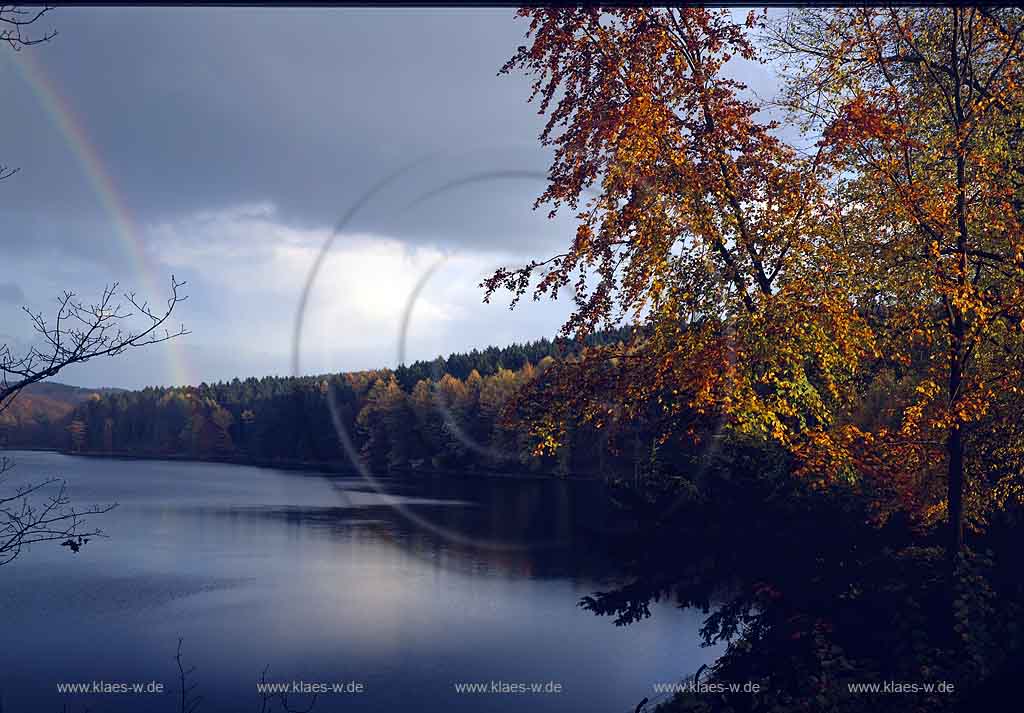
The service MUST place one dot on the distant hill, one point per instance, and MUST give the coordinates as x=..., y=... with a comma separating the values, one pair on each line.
x=37, y=416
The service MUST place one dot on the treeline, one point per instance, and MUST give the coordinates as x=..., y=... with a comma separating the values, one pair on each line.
x=491, y=359
x=38, y=416
x=446, y=414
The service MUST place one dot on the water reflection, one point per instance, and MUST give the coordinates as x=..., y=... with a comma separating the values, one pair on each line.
x=318, y=578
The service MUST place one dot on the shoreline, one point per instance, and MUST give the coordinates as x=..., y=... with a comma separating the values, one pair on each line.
x=329, y=467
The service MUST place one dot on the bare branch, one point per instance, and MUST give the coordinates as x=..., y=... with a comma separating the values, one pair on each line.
x=13, y=21
x=80, y=332
x=188, y=702
x=23, y=522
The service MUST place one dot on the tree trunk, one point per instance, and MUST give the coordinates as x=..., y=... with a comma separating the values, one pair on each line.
x=955, y=491
x=955, y=443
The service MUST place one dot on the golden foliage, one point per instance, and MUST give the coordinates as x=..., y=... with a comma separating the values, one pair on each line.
x=779, y=292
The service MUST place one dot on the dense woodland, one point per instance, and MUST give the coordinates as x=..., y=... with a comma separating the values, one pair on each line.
x=39, y=416
x=448, y=414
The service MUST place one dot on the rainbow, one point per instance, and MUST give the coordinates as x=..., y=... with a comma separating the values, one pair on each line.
x=60, y=111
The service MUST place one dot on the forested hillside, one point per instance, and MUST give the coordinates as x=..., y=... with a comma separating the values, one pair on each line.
x=445, y=414
x=39, y=416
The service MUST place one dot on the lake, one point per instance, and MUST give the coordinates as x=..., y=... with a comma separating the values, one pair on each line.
x=325, y=580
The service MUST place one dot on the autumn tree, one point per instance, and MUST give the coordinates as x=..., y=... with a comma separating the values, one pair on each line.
x=385, y=422
x=697, y=223
x=77, y=428
x=782, y=292
x=920, y=113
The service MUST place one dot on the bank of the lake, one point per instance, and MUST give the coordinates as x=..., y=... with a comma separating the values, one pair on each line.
x=333, y=467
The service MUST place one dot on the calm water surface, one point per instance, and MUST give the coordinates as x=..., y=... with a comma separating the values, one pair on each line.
x=320, y=579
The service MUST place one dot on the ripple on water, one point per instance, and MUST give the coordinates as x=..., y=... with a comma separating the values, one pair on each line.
x=80, y=596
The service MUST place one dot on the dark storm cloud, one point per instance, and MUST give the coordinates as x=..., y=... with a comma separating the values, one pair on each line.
x=193, y=109
x=203, y=108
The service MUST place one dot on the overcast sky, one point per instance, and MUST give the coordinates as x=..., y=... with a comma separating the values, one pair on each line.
x=224, y=145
